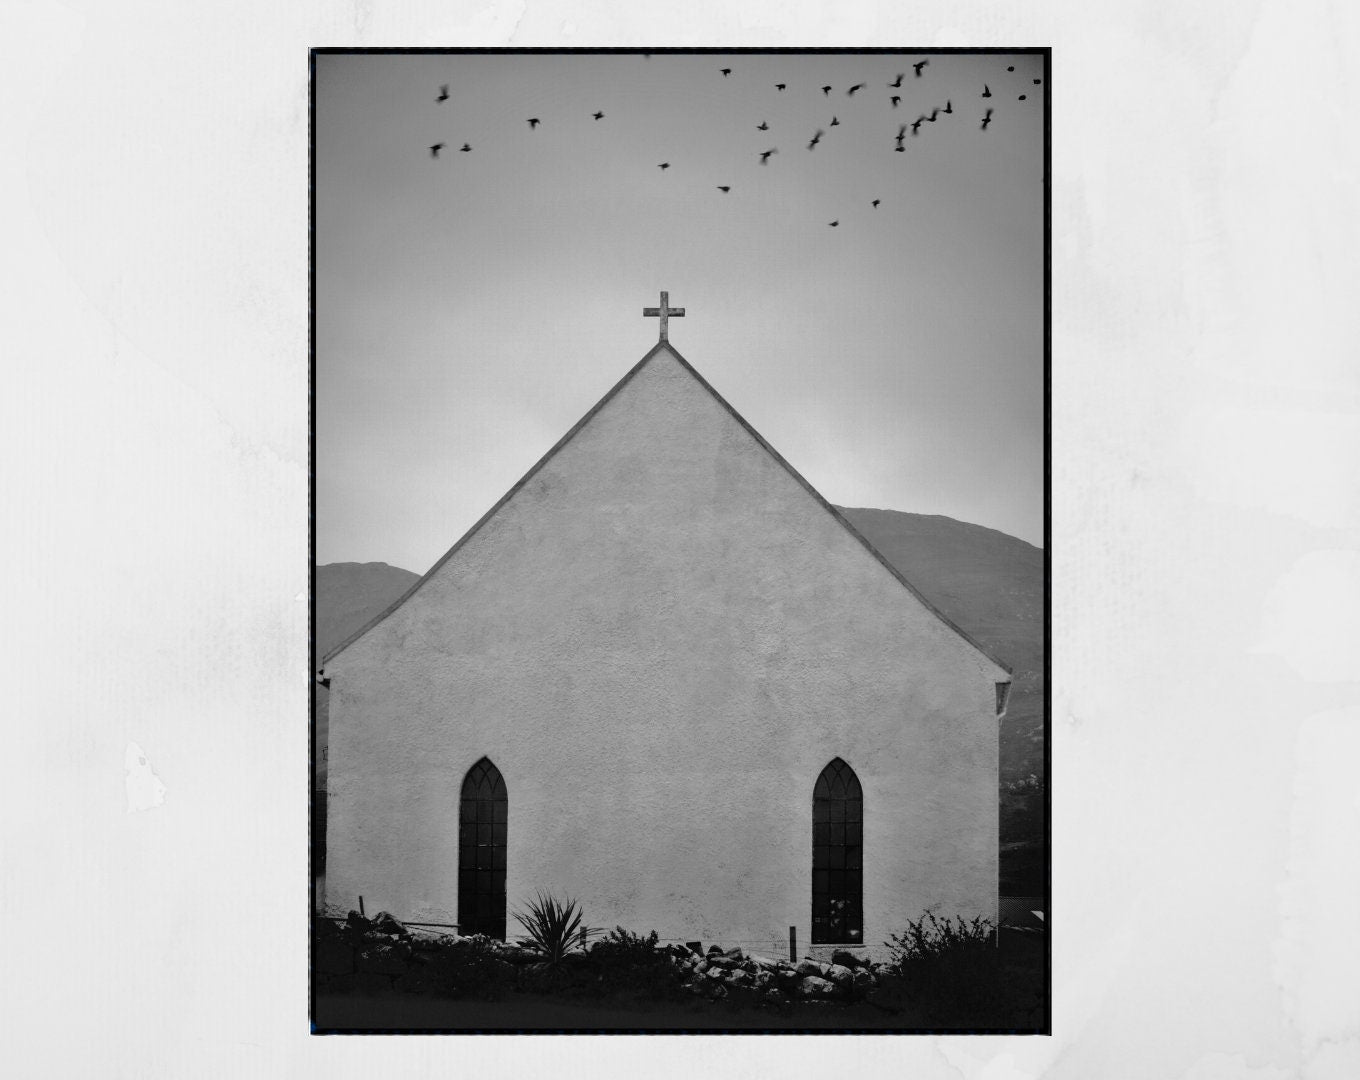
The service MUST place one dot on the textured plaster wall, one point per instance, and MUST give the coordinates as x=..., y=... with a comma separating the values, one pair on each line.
x=660, y=640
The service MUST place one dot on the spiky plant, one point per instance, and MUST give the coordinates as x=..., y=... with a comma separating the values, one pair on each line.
x=555, y=930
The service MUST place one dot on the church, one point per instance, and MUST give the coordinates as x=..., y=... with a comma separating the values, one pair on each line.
x=665, y=677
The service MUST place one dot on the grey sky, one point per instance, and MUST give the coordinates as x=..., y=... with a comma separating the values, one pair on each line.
x=471, y=309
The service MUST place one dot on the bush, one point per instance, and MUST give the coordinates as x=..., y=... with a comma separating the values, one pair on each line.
x=635, y=966
x=951, y=970
x=556, y=935
x=467, y=967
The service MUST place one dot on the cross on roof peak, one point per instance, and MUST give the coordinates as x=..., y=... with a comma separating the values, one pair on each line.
x=663, y=311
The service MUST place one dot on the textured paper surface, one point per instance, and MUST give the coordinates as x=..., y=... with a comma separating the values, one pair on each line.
x=1205, y=537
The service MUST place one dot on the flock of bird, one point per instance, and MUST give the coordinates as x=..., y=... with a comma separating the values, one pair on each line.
x=764, y=156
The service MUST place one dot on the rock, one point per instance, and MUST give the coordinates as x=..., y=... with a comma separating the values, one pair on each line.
x=333, y=958
x=740, y=977
x=713, y=950
x=813, y=986
x=696, y=947
x=762, y=980
x=864, y=979
x=763, y=962
x=808, y=966
x=842, y=976
x=714, y=973
x=382, y=960
x=700, y=966
x=735, y=953
x=776, y=997
x=357, y=922
x=422, y=938
x=717, y=990
x=846, y=959
x=722, y=962
x=386, y=923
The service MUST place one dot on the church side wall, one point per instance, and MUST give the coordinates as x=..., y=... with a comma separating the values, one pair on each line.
x=660, y=641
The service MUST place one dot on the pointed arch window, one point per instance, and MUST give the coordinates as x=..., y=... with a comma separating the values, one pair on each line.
x=483, y=816
x=837, y=857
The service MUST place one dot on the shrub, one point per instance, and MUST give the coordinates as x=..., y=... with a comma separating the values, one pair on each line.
x=951, y=969
x=468, y=967
x=556, y=933
x=635, y=966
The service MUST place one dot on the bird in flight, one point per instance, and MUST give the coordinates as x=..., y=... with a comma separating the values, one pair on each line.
x=949, y=106
x=835, y=122
x=986, y=90
x=825, y=90
x=664, y=165
x=724, y=188
x=917, y=67
x=896, y=101
x=896, y=84
x=835, y=223
x=857, y=86
x=464, y=148
x=901, y=133
x=780, y=85
x=726, y=72
x=815, y=139
x=1011, y=68
x=1021, y=97
x=917, y=123
x=443, y=93
x=534, y=121
x=902, y=149
x=875, y=204
x=933, y=114
x=765, y=155
x=1036, y=82
x=434, y=150
x=598, y=115
x=986, y=119
x=762, y=126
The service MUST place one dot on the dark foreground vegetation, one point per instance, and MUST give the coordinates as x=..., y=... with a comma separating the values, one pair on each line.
x=943, y=975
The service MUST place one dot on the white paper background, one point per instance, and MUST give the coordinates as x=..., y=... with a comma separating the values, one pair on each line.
x=1206, y=537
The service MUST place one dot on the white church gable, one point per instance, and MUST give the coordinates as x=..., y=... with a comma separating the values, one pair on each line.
x=660, y=639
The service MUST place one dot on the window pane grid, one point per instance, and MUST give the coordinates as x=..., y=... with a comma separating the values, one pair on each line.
x=482, y=826
x=837, y=856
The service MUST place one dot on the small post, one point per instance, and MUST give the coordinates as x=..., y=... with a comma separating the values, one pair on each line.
x=793, y=944
x=361, y=908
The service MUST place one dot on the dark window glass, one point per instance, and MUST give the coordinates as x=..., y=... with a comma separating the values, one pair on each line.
x=837, y=836
x=482, y=854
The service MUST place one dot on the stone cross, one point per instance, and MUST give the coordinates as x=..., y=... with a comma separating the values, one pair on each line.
x=663, y=311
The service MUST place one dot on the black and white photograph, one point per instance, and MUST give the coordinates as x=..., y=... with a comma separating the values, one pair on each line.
x=680, y=506
x=756, y=539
